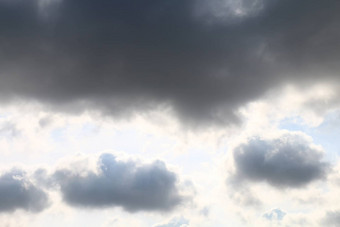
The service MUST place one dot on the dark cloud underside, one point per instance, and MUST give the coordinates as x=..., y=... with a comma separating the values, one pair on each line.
x=287, y=161
x=135, y=188
x=17, y=192
x=123, y=56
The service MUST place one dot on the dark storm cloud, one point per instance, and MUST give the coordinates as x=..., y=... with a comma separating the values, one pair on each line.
x=124, y=56
x=17, y=192
x=126, y=184
x=287, y=161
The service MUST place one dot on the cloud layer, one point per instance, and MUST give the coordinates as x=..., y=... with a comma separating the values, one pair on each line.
x=202, y=62
x=288, y=161
x=120, y=56
x=126, y=184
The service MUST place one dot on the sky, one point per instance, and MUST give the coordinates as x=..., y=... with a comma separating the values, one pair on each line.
x=171, y=113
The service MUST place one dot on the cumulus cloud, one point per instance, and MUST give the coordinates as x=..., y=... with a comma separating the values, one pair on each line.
x=134, y=187
x=18, y=192
x=138, y=56
x=291, y=160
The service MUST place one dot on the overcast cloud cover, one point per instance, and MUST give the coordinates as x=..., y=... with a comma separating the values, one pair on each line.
x=125, y=56
x=255, y=81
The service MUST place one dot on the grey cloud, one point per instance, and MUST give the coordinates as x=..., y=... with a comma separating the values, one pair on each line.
x=18, y=192
x=119, y=57
x=287, y=161
x=45, y=121
x=43, y=178
x=332, y=219
x=9, y=129
x=125, y=184
x=205, y=211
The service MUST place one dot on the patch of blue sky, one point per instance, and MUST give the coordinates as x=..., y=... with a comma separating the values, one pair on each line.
x=293, y=124
x=327, y=134
x=128, y=140
x=58, y=134
x=4, y=115
x=275, y=214
x=88, y=129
